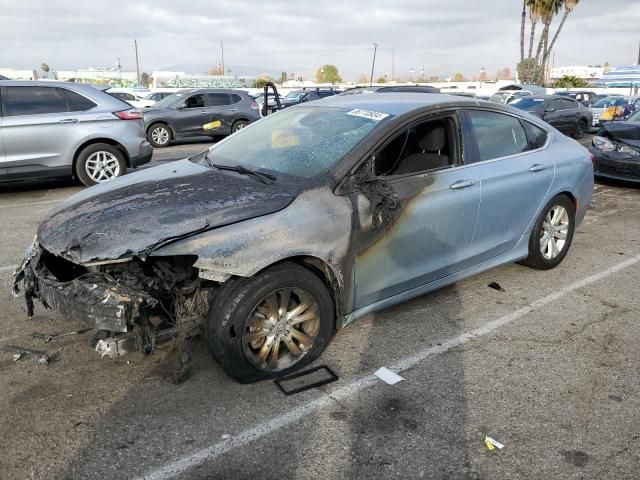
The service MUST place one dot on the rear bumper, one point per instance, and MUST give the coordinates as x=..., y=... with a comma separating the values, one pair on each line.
x=146, y=152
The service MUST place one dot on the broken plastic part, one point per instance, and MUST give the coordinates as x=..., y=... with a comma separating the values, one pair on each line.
x=116, y=347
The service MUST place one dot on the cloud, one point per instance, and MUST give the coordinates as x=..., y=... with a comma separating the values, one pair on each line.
x=445, y=37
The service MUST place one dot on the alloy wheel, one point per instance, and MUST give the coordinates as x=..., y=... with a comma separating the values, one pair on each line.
x=281, y=329
x=554, y=231
x=160, y=135
x=102, y=166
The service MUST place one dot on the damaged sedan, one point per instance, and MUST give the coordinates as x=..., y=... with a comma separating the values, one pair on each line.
x=287, y=231
x=617, y=150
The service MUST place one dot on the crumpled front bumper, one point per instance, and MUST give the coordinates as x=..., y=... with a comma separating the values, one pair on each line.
x=92, y=297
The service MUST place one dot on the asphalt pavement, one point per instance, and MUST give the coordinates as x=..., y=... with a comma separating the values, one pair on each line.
x=547, y=367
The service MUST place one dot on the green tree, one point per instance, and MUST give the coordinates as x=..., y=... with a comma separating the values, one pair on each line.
x=45, y=67
x=328, y=74
x=569, y=81
x=144, y=78
x=283, y=77
x=529, y=70
x=569, y=5
x=458, y=77
x=382, y=79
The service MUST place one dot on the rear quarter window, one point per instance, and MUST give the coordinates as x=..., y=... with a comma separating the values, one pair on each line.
x=77, y=102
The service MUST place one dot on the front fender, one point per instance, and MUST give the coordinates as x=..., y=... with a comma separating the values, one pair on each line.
x=317, y=224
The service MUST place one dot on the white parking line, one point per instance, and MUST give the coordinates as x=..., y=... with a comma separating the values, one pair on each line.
x=31, y=203
x=281, y=421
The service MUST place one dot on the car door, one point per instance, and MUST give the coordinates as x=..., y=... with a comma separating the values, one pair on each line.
x=37, y=127
x=553, y=115
x=3, y=171
x=515, y=173
x=191, y=115
x=570, y=111
x=414, y=218
x=219, y=108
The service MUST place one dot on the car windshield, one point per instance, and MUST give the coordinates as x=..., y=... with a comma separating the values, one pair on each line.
x=170, y=100
x=301, y=142
x=529, y=104
x=610, y=102
x=294, y=95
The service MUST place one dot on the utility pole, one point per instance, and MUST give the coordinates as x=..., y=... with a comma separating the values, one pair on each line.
x=393, y=65
x=222, y=52
x=373, y=65
x=638, y=53
x=135, y=44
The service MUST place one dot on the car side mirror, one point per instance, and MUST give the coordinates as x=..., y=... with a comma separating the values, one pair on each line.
x=181, y=107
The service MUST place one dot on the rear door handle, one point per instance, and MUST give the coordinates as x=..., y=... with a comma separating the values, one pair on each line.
x=462, y=184
x=234, y=109
x=69, y=120
x=536, y=167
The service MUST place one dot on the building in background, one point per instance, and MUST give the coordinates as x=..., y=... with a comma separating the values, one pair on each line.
x=166, y=79
x=14, y=74
x=97, y=76
x=588, y=73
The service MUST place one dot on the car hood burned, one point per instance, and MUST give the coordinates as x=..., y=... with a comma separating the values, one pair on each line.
x=138, y=213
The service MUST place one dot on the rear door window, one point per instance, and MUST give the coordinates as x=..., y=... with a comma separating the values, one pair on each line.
x=498, y=135
x=26, y=100
x=566, y=104
x=218, y=99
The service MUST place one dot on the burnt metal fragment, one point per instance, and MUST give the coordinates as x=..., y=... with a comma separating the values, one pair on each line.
x=41, y=357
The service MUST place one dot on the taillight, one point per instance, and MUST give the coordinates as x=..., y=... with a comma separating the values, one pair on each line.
x=255, y=105
x=131, y=114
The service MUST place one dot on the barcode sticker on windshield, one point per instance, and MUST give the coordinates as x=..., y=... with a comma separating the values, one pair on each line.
x=377, y=116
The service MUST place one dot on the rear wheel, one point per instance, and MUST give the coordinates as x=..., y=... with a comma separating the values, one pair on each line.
x=238, y=125
x=159, y=135
x=552, y=234
x=99, y=163
x=581, y=127
x=271, y=324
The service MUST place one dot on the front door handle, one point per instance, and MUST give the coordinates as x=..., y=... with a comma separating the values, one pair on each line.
x=203, y=113
x=536, y=167
x=462, y=184
x=69, y=120
x=234, y=109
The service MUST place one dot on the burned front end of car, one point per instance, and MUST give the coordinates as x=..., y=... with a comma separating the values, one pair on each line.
x=617, y=151
x=132, y=304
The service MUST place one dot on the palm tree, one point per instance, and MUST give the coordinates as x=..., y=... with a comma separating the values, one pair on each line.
x=548, y=10
x=534, y=16
x=522, y=24
x=569, y=5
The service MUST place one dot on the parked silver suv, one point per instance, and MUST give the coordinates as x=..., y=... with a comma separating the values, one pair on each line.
x=51, y=129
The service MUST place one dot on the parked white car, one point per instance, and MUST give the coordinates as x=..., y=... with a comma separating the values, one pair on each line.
x=133, y=99
x=505, y=97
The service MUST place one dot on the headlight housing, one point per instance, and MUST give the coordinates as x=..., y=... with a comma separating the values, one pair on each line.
x=628, y=150
x=603, y=144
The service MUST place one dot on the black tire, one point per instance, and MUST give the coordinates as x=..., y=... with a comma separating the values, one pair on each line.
x=239, y=125
x=581, y=127
x=536, y=259
x=167, y=134
x=82, y=169
x=231, y=307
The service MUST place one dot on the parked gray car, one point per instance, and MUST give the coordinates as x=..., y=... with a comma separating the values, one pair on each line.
x=200, y=111
x=307, y=220
x=53, y=129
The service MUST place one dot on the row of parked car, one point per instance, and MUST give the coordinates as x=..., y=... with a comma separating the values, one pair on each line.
x=65, y=129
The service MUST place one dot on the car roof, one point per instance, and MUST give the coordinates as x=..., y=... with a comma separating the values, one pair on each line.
x=396, y=103
x=39, y=83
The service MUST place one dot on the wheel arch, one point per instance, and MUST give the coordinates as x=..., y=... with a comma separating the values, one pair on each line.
x=108, y=141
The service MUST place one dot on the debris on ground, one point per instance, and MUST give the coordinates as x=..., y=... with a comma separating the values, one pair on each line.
x=302, y=381
x=48, y=337
x=18, y=352
x=492, y=444
x=496, y=286
x=388, y=376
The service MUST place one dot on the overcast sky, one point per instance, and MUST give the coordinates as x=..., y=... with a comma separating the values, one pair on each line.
x=275, y=35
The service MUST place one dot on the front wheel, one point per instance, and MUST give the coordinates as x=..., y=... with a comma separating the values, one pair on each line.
x=581, y=127
x=159, y=135
x=552, y=234
x=271, y=324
